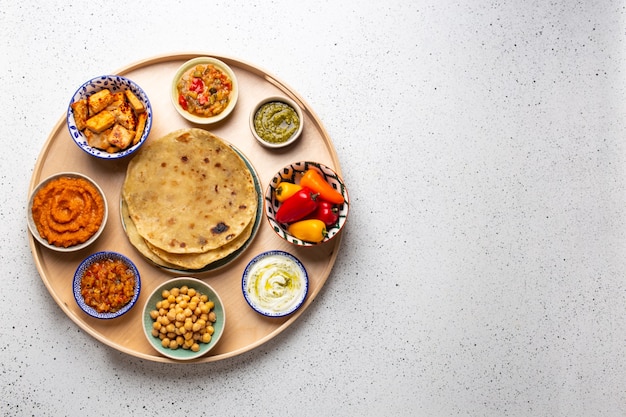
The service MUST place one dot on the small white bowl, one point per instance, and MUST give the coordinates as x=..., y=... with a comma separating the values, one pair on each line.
x=234, y=94
x=292, y=173
x=114, y=83
x=218, y=326
x=269, y=125
x=33, y=227
x=275, y=283
x=84, y=266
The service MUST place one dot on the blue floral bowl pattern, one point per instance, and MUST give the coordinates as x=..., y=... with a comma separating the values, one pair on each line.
x=82, y=268
x=114, y=83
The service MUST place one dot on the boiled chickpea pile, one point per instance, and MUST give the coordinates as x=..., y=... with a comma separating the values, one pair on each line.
x=183, y=319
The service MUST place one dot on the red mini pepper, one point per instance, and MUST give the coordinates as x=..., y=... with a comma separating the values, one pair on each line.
x=297, y=207
x=326, y=212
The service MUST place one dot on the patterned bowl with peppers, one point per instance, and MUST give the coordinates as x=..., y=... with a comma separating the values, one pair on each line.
x=306, y=203
x=99, y=144
x=204, y=90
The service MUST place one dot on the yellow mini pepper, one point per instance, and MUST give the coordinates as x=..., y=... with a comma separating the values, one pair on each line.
x=311, y=230
x=286, y=190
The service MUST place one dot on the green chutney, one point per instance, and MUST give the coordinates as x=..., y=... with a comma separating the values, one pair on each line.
x=276, y=122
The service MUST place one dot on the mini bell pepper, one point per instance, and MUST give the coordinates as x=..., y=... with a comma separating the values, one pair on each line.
x=286, y=190
x=313, y=180
x=297, y=207
x=326, y=212
x=311, y=230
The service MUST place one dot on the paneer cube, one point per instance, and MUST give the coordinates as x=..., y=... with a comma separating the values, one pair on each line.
x=99, y=101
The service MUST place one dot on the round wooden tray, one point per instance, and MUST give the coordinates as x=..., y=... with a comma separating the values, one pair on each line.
x=245, y=329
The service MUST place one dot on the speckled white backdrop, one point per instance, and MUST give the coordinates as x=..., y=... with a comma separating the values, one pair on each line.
x=482, y=270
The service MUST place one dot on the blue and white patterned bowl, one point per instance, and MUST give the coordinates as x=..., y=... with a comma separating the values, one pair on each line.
x=278, y=305
x=82, y=268
x=292, y=173
x=114, y=83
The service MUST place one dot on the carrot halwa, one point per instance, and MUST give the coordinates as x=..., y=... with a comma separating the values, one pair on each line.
x=107, y=285
x=68, y=211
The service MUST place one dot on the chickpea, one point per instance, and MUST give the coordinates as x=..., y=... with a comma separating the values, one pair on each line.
x=154, y=314
x=165, y=293
x=171, y=315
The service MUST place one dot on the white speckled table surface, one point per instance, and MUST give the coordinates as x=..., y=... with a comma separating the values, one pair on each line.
x=482, y=270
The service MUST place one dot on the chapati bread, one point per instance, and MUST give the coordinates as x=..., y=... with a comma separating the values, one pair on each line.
x=200, y=260
x=137, y=241
x=189, y=261
x=189, y=192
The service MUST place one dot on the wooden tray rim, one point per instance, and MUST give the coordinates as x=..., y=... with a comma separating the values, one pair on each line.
x=36, y=249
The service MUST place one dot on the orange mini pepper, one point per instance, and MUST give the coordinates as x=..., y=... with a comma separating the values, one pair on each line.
x=313, y=180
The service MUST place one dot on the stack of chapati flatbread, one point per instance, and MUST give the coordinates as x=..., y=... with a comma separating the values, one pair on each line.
x=188, y=200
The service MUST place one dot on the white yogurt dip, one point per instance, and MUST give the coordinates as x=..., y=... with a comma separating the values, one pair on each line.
x=275, y=283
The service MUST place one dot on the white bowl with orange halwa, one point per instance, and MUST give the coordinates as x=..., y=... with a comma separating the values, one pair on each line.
x=67, y=212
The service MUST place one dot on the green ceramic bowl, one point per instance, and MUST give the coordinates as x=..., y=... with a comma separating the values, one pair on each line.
x=180, y=353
